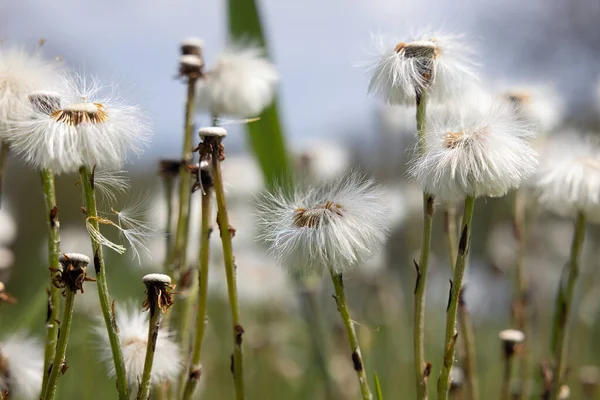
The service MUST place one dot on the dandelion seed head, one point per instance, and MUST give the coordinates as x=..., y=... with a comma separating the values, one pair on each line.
x=92, y=126
x=157, y=278
x=133, y=336
x=212, y=131
x=21, y=366
x=511, y=335
x=191, y=61
x=482, y=151
x=240, y=84
x=538, y=105
x=192, y=45
x=568, y=179
x=435, y=63
x=332, y=226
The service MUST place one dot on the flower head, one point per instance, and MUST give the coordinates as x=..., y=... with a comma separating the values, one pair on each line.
x=133, y=328
x=478, y=152
x=21, y=367
x=21, y=73
x=82, y=124
x=568, y=179
x=241, y=83
x=436, y=64
x=538, y=105
x=328, y=227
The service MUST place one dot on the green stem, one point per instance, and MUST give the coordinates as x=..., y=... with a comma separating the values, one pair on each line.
x=109, y=318
x=53, y=254
x=505, y=388
x=520, y=302
x=223, y=222
x=342, y=305
x=195, y=368
x=428, y=209
x=4, y=151
x=464, y=320
x=61, y=345
x=153, y=328
x=168, y=184
x=564, y=305
x=451, y=313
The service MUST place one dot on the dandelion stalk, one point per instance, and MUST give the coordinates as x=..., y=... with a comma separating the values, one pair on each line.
x=421, y=369
x=342, y=305
x=53, y=251
x=520, y=302
x=505, y=387
x=226, y=234
x=464, y=321
x=195, y=370
x=563, y=308
x=455, y=289
x=87, y=182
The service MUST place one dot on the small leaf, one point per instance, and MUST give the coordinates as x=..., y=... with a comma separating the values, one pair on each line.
x=378, y=387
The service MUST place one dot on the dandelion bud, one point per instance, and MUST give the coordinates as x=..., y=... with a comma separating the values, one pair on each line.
x=511, y=338
x=45, y=102
x=191, y=66
x=73, y=273
x=157, y=294
x=192, y=46
x=21, y=367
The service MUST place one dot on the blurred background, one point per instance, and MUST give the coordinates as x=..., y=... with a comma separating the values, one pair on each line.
x=330, y=125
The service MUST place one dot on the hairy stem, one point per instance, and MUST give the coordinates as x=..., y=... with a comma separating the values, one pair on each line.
x=564, y=304
x=225, y=233
x=87, y=182
x=342, y=305
x=464, y=321
x=521, y=312
x=455, y=289
x=61, y=346
x=53, y=254
x=153, y=328
x=4, y=150
x=195, y=368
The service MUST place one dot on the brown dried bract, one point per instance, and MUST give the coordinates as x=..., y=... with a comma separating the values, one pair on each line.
x=451, y=139
x=311, y=217
x=74, y=116
x=158, y=294
x=72, y=276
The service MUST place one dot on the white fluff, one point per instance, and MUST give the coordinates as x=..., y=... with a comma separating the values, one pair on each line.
x=241, y=83
x=45, y=142
x=338, y=238
x=568, y=179
x=133, y=336
x=22, y=72
x=539, y=105
x=397, y=77
x=24, y=358
x=477, y=152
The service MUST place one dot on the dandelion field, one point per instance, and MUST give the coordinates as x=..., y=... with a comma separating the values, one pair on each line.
x=449, y=254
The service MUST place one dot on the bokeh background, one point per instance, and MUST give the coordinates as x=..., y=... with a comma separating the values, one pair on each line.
x=330, y=126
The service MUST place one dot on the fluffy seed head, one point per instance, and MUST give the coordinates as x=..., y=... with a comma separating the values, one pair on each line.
x=133, y=327
x=212, y=131
x=438, y=64
x=241, y=83
x=568, y=179
x=21, y=367
x=483, y=151
x=538, y=105
x=329, y=227
x=156, y=278
x=511, y=335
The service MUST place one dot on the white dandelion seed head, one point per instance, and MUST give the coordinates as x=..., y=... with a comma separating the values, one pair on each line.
x=92, y=127
x=8, y=226
x=191, y=60
x=568, y=178
x=478, y=152
x=511, y=335
x=332, y=226
x=241, y=83
x=538, y=105
x=21, y=73
x=156, y=278
x=21, y=366
x=133, y=336
x=435, y=63
x=323, y=160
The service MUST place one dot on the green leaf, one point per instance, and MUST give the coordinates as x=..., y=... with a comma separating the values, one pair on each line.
x=378, y=387
x=265, y=136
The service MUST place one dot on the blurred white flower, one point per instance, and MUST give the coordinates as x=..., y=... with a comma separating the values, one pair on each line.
x=133, y=336
x=323, y=160
x=434, y=63
x=478, y=152
x=8, y=226
x=240, y=84
x=21, y=367
x=328, y=227
x=539, y=105
x=83, y=123
x=568, y=179
x=21, y=73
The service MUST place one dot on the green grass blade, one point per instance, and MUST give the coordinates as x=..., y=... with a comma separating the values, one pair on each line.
x=378, y=387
